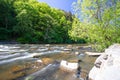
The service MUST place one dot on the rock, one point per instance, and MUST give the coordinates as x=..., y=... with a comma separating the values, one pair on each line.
x=93, y=53
x=39, y=61
x=47, y=45
x=77, y=53
x=47, y=60
x=44, y=73
x=67, y=49
x=107, y=66
x=67, y=66
x=69, y=46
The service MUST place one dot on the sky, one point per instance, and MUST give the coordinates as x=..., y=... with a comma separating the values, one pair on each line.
x=60, y=4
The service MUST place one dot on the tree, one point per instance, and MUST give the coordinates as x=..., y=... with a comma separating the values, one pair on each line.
x=98, y=22
x=30, y=21
x=7, y=19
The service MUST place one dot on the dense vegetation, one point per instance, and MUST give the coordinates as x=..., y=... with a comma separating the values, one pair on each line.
x=29, y=21
x=99, y=22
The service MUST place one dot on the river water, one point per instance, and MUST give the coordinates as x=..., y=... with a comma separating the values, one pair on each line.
x=41, y=61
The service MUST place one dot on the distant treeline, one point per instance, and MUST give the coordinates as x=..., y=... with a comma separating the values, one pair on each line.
x=30, y=21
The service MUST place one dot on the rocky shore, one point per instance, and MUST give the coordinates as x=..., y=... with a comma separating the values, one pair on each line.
x=107, y=66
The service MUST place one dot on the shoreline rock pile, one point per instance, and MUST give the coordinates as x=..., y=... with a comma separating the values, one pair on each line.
x=107, y=66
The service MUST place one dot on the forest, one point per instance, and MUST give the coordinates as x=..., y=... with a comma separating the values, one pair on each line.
x=95, y=22
x=29, y=21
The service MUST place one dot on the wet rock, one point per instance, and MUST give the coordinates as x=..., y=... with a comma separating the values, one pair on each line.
x=107, y=66
x=97, y=65
x=42, y=49
x=47, y=60
x=22, y=70
x=36, y=56
x=67, y=66
x=44, y=73
x=47, y=45
x=69, y=46
x=67, y=49
x=77, y=53
x=38, y=63
x=78, y=71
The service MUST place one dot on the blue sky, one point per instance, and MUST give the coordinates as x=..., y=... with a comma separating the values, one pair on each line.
x=60, y=4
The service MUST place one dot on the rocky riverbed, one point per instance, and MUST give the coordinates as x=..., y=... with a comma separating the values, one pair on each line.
x=42, y=62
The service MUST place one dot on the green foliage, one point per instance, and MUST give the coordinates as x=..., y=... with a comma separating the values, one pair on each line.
x=30, y=21
x=7, y=19
x=99, y=24
x=4, y=34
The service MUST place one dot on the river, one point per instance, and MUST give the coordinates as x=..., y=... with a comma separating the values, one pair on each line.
x=41, y=61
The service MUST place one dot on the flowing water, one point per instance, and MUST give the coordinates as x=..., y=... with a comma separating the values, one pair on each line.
x=41, y=62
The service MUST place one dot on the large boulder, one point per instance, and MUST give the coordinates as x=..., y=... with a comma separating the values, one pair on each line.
x=107, y=66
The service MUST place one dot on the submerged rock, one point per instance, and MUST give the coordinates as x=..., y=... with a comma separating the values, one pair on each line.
x=45, y=73
x=107, y=66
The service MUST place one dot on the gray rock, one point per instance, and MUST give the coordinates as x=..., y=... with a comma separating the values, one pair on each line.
x=107, y=66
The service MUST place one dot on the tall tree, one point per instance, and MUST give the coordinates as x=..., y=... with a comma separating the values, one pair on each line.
x=99, y=21
x=7, y=18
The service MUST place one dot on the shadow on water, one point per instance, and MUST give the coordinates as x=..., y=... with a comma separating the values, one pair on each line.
x=23, y=63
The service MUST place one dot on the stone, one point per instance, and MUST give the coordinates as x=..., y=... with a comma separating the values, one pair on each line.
x=107, y=66
x=77, y=53
x=68, y=66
